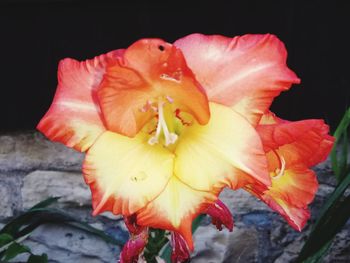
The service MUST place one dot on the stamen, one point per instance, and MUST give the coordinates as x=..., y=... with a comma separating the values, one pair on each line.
x=170, y=99
x=280, y=171
x=170, y=137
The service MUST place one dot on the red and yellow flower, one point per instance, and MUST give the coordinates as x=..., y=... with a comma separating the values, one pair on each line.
x=291, y=149
x=166, y=127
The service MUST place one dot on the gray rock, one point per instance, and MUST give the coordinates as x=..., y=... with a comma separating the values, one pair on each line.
x=291, y=251
x=69, y=245
x=340, y=249
x=210, y=244
x=243, y=246
x=241, y=202
x=40, y=185
x=32, y=151
x=9, y=192
x=213, y=246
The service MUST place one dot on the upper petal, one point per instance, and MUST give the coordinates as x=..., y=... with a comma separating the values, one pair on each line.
x=74, y=116
x=124, y=173
x=175, y=208
x=244, y=72
x=225, y=152
x=305, y=141
x=150, y=69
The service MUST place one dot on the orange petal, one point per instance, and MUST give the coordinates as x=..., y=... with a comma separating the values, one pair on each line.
x=295, y=216
x=124, y=173
x=305, y=141
x=296, y=186
x=225, y=152
x=150, y=69
x=244, y=72
x=175, y=208
x=74, y=116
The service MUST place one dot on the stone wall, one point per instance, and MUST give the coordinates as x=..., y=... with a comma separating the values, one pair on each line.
x=33, y=168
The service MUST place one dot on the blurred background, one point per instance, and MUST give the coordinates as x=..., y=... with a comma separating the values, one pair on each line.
x=35, y=35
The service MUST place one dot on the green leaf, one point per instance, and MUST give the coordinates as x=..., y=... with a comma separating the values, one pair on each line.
x=156, y=240
x=45, y=203
x=333, y=217
x=5, y=239
x=197, y=221
x=27, y=222
x=15, y=249
x=340, y=132
x=343, y=162
x=37, y=259
x=319, y=254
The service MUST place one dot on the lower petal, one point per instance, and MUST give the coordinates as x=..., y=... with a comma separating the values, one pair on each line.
x=222, y=153
x=124, y=173
x=295, y=216
x=296, y=186
x=175, y=208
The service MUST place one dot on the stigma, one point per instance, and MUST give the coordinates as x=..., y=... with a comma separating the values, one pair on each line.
x=282, y=166
x=162, y=127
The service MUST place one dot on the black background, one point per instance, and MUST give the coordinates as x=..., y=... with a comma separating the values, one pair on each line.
x=35, y=35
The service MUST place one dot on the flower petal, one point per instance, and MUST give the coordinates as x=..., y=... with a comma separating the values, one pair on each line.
x=244, y=72
x=295, y=216
x=304, y=141
x=74, y=117
x=150, y=69
x=125, y=174
x=175, y=208
x=289, y=194
x=222, y=153
x=297, y=186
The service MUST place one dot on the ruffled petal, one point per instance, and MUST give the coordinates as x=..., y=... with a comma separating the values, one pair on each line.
x=175, y=208
x=225, y=152
x=125, y=174
x=305, y=141
x=74, y=116
x=244, y=72
x=150, y=69
x=295, y=216
x=297, y=186
x=289, y=194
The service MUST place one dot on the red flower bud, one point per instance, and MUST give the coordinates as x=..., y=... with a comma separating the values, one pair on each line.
x=137, y=242
x=220, y=215
x=180, y=251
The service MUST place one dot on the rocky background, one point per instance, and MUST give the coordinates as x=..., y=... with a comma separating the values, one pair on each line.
x=33, y=169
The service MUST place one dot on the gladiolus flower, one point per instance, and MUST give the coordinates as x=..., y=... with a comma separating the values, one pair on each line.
x=291, y=149
x=166, y=127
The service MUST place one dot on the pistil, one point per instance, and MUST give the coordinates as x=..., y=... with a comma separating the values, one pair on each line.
x=282, y=163
x=162, y=128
